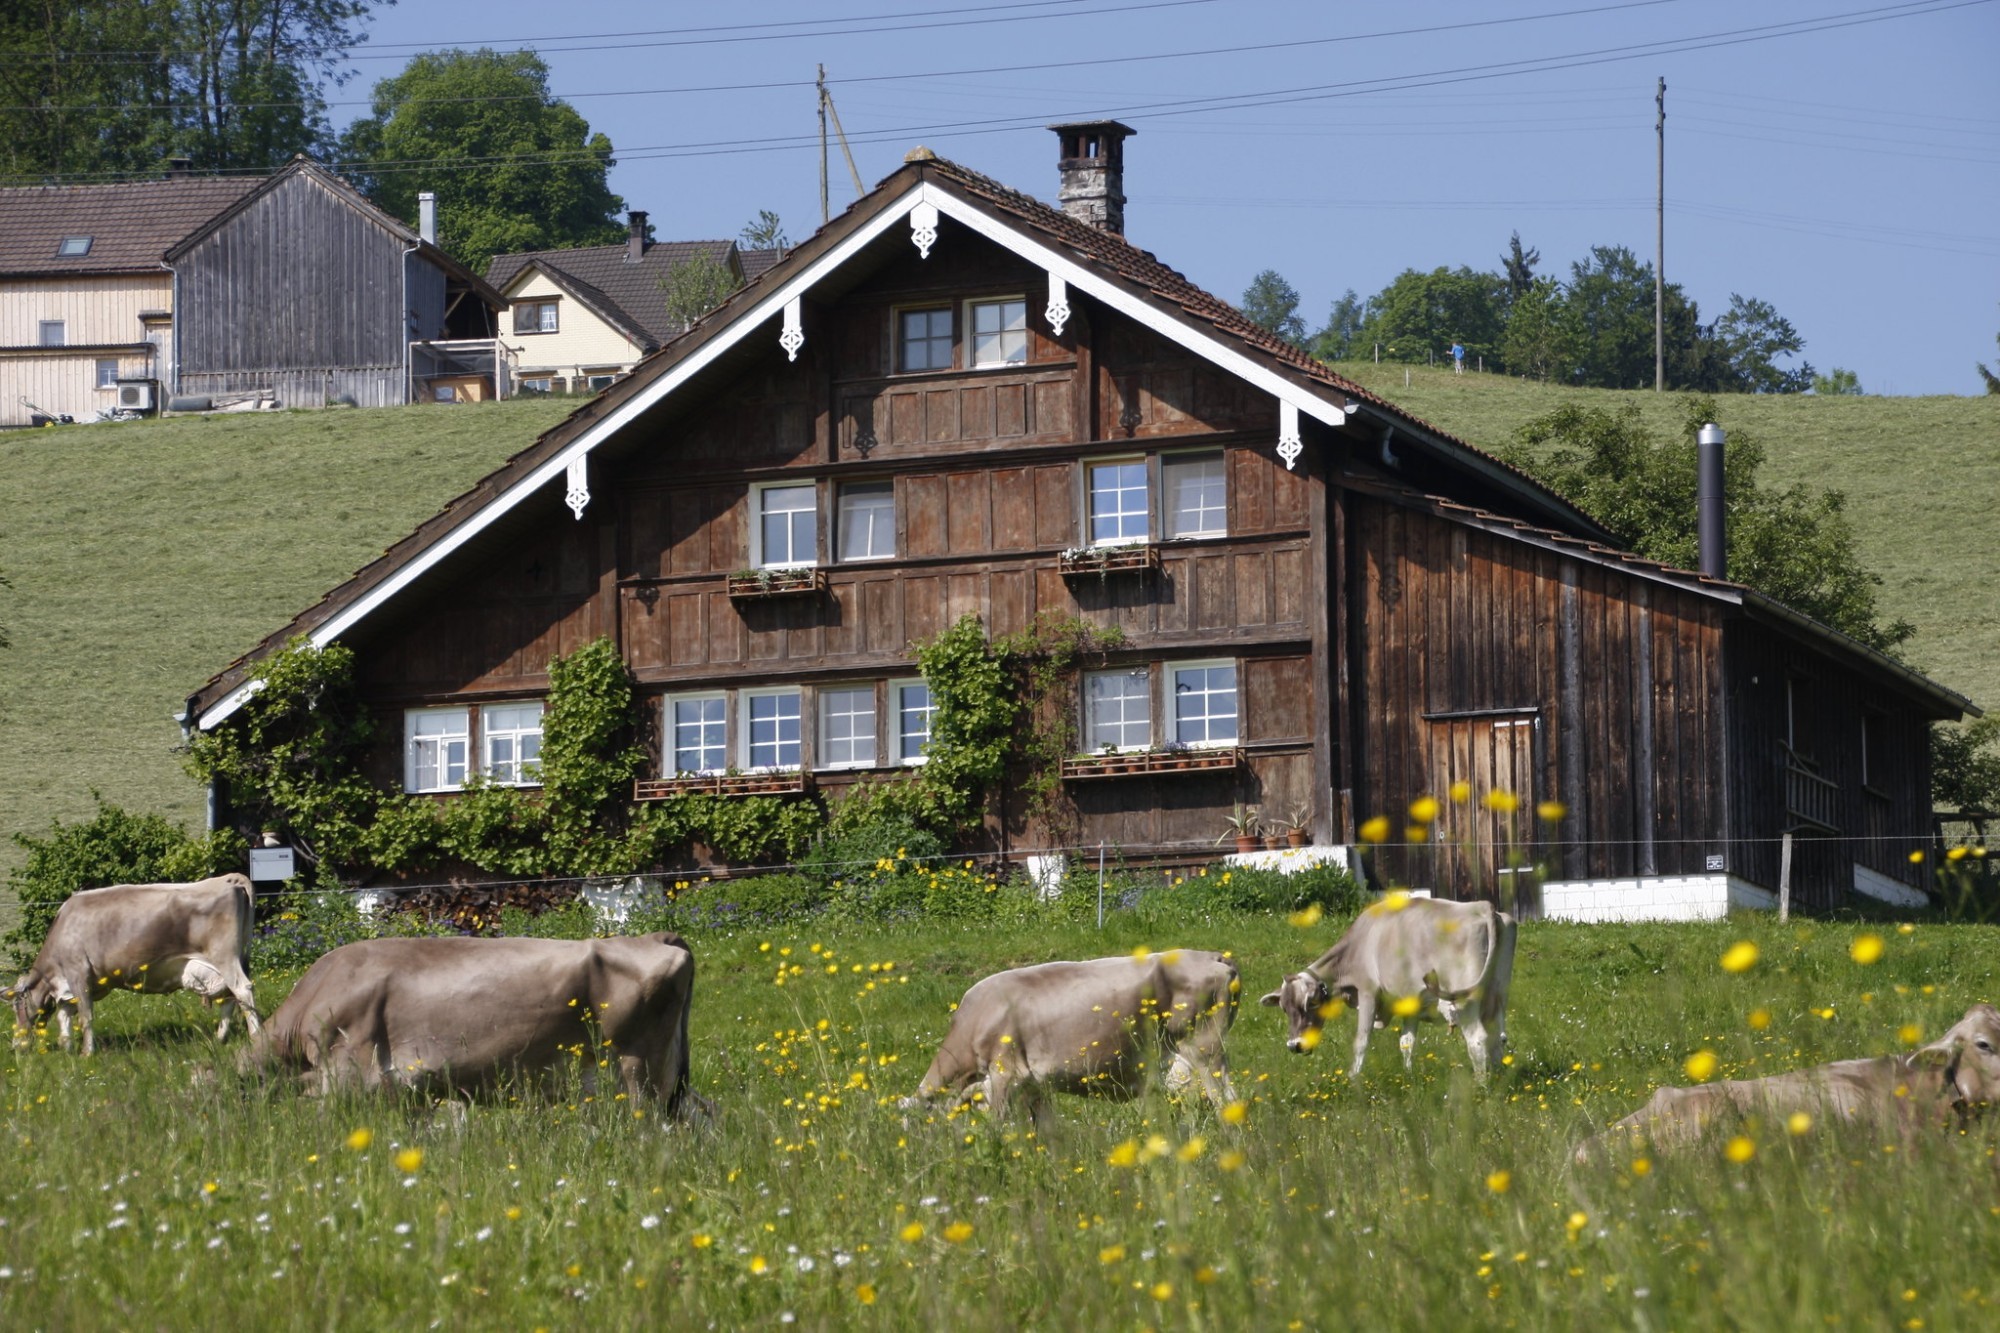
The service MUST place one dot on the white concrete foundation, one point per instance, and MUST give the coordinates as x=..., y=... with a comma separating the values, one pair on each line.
x=1290, y=860
x=1654, y=898
x=1880, y=887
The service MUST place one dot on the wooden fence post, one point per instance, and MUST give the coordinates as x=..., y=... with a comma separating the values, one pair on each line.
x=1785, y=880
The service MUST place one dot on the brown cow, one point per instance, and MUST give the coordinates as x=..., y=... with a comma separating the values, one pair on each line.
x=144, y=937
x=1428, y=958
x=459, y=1013
x=1104, y=1026
x=1949, y=1079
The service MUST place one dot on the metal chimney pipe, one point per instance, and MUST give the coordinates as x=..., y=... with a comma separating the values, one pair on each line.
x=1711, y=522
x=427, y=217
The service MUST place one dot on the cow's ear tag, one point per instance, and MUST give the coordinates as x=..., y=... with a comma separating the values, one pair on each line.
x=1270, y=1000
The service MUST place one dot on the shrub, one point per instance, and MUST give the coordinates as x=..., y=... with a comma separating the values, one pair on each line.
x=889, y=843
x=112, y=847
x=754, y=901
x=901, y=887
x=303, y=924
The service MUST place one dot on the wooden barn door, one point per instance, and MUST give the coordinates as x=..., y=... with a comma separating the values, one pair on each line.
x=1478, y=851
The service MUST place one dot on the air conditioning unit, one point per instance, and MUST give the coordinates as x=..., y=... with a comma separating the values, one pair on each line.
x=135, y=395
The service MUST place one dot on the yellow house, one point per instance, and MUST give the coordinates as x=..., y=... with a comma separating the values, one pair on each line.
x=86, y=306
x=582, y=318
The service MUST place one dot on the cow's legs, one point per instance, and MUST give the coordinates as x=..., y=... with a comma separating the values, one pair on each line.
x=83, y=1016
x=1364, y=1024
x=1475, y=1044
x=1407, y=1042
x=1207, y=1069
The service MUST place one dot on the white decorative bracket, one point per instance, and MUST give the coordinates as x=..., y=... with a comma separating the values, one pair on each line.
x=794, y=335
x=923, y=228
x=1058, y=311
x=578, y=493
x=1290, y=446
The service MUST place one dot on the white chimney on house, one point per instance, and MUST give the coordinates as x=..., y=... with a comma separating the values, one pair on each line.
x=427, y=217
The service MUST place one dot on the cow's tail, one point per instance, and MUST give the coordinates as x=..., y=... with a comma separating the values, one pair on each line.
x=1498, y=972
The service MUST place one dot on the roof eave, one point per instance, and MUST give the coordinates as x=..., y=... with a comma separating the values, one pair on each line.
x=1951, y=705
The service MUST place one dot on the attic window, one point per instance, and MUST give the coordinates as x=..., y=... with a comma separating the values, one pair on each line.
x=73, y=247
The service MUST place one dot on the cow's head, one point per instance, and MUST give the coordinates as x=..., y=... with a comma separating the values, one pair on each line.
x=33, y=998
x=1307, y=1004
x=1970, y=1054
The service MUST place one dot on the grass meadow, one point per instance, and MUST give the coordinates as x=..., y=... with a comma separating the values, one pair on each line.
x=138, y=1188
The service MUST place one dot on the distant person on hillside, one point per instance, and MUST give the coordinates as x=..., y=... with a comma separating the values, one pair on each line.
x=1458, y=358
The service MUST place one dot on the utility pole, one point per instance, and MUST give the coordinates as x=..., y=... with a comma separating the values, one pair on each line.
x=827, y=108
x=1659, y=245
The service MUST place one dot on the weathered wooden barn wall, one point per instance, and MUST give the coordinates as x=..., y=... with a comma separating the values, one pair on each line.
x=301, y=295
x=1790, y=708
x=1511, y=666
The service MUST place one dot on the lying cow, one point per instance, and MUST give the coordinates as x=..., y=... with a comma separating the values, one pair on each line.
x=1944, y=1082
x=460, y=1013
x=1424, y=957
x=145, y=937
x=1103, y=1026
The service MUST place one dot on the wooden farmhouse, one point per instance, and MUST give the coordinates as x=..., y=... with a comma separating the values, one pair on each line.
x=291, y=289
x=581, y=318
x=955, y=399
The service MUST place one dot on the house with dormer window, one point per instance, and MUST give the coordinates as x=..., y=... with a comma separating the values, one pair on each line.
x=955, y=399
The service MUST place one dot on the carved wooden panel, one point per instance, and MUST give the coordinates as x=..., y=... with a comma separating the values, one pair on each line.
x=920, y=415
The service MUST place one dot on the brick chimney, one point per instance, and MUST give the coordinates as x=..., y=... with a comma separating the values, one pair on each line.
x=1092, y=163
x=635, y=236
x=179, y=168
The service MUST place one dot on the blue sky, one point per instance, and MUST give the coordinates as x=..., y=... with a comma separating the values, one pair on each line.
x=1839, y=160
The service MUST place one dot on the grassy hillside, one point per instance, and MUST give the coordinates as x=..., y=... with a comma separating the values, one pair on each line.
x=1922, y=478
x=145, y=556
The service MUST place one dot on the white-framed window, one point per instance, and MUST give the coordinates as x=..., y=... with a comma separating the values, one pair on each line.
x=51, y=333
x=771, y=729
x=510, y=737
x=786, y=531
x=999, y=331
x=597, y=381
x=865, y=520
x=73, y=247
x=697, y=727
x=924, y=339
x=437, y=746
x=1118, y=709
x=107, y=372
x=535, y=384
x=1201, y=703
x=911, y=702
x=1118, y=502
x=1195, y=495
x=536, y=316
x=846, y=727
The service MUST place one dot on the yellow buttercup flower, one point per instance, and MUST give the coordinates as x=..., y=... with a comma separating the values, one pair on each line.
x=759, y=1264
x=1760, y=1019
x=1910, y=1034
x=1866, y=949
x=1500, y=1181
x=1739, y=1149
x=1501, y=802
x=1701, y=1066
x=1424, y=809
x=1231, y=1160
x=1192, y=1149
x=1406, y=1006
x=1125, y=1154
x=912, y=1233
x=1375, y=830
x=1551, y=812
x=1307, y=916
x=360, y=1139
x=1740, y=957
x=1460, y=792
x=1111, y=1254
x=409, y=1159
x=1236, y=1113
x=865, y=1293
x=1798, y=1122
x=958, y=1232
x=1310, y=1038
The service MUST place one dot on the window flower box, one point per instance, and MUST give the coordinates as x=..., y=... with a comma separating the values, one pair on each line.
x=721, y=784
x=1078, y=561
x=748, y=584
x=1130, y=763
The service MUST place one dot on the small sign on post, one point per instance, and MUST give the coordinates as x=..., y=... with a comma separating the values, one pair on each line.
x=1785, y=879
x=270, y=863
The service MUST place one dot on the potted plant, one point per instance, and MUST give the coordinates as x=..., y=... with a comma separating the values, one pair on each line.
x=1298, y=828
x=1245, y=826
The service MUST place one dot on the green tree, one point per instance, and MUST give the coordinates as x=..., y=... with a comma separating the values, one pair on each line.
x=1750, y=337
x=1539, y=341
x=1344, y=322
x=1518, y=266
x=1965, y=765
x=1992, y=380
x=1610, y=300
x=696, y=286
x=1272, y=303
x=1418, y=316
x=766, y=231
x=92, y=87
x=1837, y=382
x=1793, y=544
x=514, y=167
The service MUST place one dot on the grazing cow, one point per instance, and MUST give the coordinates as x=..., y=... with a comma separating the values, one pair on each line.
x=1428, y=959
x=143, y=937
x=1946, y=1081
x=459, y=1013
x=1089, y=1027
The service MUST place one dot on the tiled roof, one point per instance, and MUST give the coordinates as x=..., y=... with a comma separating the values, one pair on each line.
x=632, y=296
x=756, y=261
x=131, y=224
